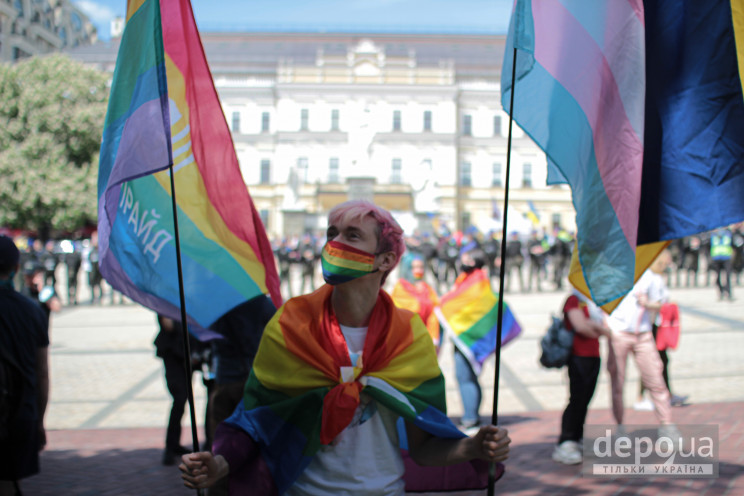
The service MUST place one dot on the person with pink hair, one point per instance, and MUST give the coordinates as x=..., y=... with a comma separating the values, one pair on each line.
x=328, y=387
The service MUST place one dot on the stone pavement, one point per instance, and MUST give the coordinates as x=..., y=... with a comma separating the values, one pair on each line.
x=109, y=404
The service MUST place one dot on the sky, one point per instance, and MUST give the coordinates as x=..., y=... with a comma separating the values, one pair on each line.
x=413, y=16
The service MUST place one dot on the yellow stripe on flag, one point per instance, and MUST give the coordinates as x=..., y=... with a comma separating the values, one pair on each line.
x=737, y=14
x=645, y=255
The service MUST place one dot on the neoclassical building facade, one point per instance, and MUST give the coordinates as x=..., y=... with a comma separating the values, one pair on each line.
x=34, y=27
x=412, y=122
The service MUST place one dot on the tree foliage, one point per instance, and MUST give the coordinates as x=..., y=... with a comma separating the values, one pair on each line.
x=52, y=111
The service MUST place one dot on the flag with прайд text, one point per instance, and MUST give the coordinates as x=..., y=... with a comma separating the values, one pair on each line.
x=164, y=110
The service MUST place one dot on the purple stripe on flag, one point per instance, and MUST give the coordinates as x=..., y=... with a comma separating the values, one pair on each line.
x=617, y=147
x=141, y=153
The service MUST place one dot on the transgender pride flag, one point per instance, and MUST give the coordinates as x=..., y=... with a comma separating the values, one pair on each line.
x=164, y=110
x=579, y=95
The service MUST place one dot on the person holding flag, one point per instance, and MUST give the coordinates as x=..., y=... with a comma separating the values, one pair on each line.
x=334, y=372
x=469, y=315
x=415, y=294
x=588, y=323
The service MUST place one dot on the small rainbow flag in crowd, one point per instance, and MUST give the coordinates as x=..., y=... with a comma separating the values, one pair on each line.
x=164, y=110
x=421, y=300
x=469, y=314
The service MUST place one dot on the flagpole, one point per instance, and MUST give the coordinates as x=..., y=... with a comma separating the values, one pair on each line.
x=184, y=323
x=502, y=272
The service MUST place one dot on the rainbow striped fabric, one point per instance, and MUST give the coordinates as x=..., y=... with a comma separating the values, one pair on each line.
x=580, y=96
x=164, y=110
x=420, y=299
x=469, y=314
x=303, y=389
x=342, y=263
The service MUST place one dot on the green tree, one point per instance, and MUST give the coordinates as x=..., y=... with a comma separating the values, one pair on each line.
x=52, y=111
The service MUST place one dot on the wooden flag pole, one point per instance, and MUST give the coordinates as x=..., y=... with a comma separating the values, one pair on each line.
x=184, y=323
x=502, y=272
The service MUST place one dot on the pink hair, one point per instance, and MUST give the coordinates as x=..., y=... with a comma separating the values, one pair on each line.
x=389, y=233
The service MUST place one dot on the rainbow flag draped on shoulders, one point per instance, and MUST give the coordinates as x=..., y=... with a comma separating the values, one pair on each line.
x=303, y=389
x=164, y=110
x=469, y=314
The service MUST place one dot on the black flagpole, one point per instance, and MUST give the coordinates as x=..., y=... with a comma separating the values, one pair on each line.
x=495, y=412
x=184, y=324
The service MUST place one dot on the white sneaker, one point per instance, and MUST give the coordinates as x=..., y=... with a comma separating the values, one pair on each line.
x=568, y=453
x=645, y=405
x=672, y=432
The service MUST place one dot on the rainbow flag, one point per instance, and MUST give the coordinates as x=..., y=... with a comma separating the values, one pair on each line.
x=164, y=110
x=289, y=411
x=579, y=95
x=469, y=314
x=420, y=300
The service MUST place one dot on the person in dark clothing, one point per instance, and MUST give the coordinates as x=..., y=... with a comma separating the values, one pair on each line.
x=241, y=329
x=514, y=260
x=34, y=288
x=309, y=257
x=169, y=347
x=73, y=261
x=24, y=344
x=50, y=260
x=283, y=255
x=588, y=323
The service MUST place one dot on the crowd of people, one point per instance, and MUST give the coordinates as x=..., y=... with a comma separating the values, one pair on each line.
x=341, y=275
x=540, y=258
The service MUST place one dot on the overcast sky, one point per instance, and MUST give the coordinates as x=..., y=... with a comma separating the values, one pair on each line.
x=415, y=16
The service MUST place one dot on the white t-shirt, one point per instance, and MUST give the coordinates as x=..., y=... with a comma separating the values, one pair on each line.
x=364, y=459
x=629, y=316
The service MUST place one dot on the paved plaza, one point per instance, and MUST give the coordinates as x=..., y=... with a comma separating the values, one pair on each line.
x=109, y=405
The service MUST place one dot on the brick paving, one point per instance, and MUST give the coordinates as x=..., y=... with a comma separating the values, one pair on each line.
x=108, y=462
x=109, y=404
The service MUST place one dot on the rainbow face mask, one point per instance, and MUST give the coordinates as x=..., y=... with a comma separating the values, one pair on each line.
x=342, y=263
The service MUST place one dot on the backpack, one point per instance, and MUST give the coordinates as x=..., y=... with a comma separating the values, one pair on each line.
x=11, y=384
x=556, y=345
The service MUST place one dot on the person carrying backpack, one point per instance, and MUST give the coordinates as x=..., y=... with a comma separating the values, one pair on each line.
x=24, y=377
x=587, y=322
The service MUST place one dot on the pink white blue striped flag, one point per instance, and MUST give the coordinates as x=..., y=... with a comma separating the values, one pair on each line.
x=580, y=91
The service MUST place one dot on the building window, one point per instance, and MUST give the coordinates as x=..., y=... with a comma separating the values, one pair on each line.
x=427, y=120
x=333, y=170
x=497, y=125
x=556, y=218
x=264, y=214
x=465, y=175
x=302, y=169
x=235, y=122
x=527, y=175
x=334, y=119
x=18, y=4
x=396, y=176
x=265, y=171
x=467, y=125
x=265, y=121
x=496, y=181
x=304, y=119
x=465, y=220
x=396, y=120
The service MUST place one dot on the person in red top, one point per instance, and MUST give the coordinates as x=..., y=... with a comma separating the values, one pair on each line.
x=586, y=320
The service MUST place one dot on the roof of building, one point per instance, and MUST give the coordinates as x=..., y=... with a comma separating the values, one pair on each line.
x=473, y=56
